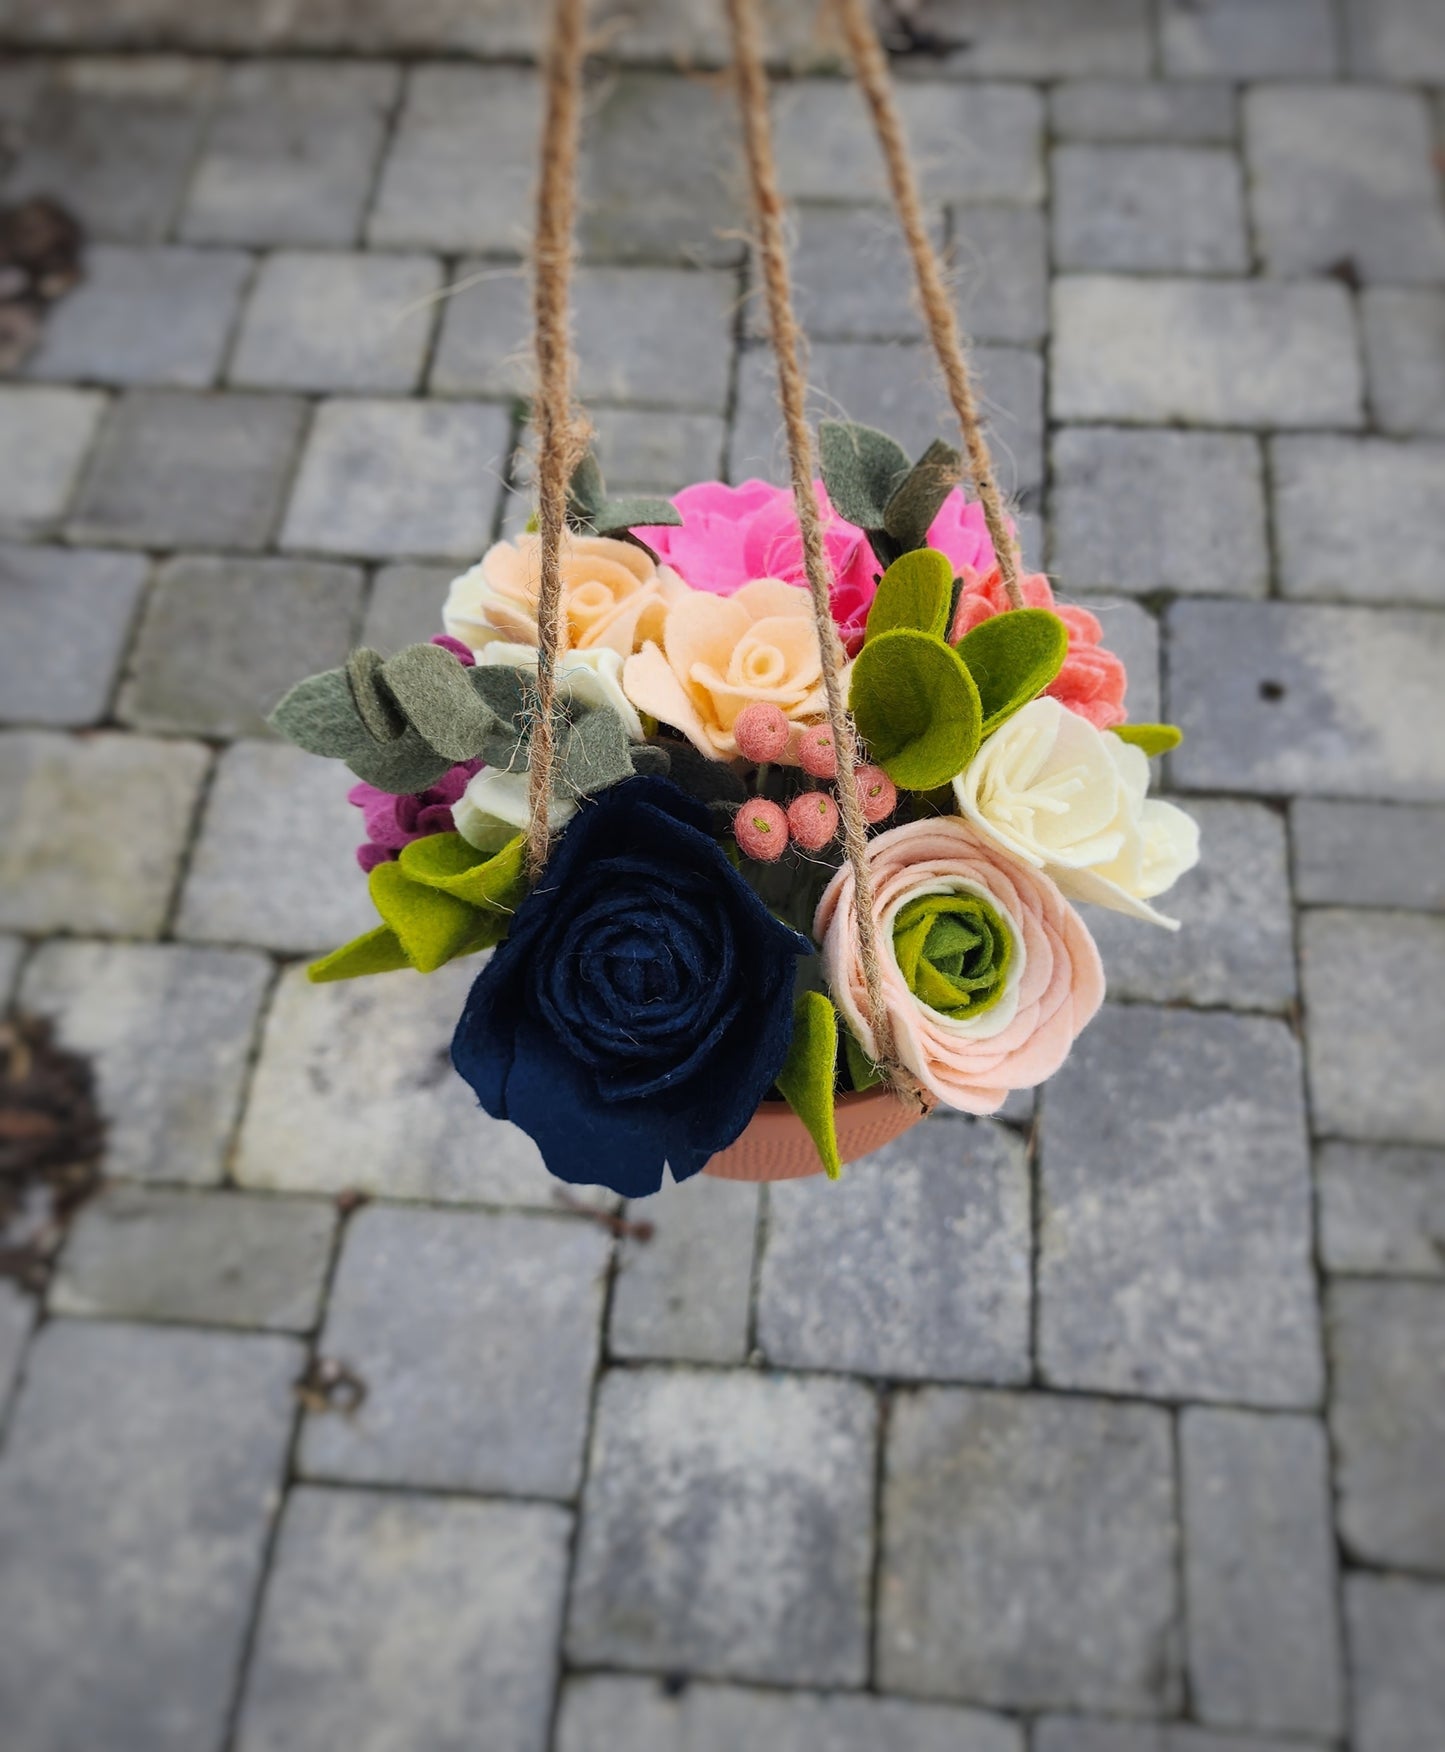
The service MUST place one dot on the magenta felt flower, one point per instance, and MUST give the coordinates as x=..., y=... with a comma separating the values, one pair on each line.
x=393, y=822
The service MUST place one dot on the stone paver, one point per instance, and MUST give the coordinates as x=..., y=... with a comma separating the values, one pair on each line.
x=12, y=953
x=1063, y=1508
x=600, y=1713
x=325, y=320
x=919, y=1270
x=476, y=1337
x=850, y=281
x=1404, y=335
x=1368, y=854
x=999, y=262
x=1342, y=504
x=1143, y=511
x=17, y=1319
x=45, y=436
x=1288, y=697
x=94, y=830
x=1396, y=1630
x=1374, y=1033
x=142, y=1468
x=274, y=863
x=1092, y=1734
x=1397, y=39
x=159, y=316
x=1387, y=1415
x=639, y=449
x=1382, y=1209
x=405, y=606
x=175, y=469
x=65, y=618
x=169, y=1032
x=1042, y=40
x=750, y=1497
x=219, y=1259
x=1259, y=1572
x=1196, y=112
x=1174, y=1241
x=290, y=153
x=1152, y=208
x=1212, y=353
x=1242, y=40
x=683, y=1294
x=222, y=640
x=399, y=479
x=393, y=1621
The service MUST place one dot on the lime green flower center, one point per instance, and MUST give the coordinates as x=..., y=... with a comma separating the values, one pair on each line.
x=954, y=951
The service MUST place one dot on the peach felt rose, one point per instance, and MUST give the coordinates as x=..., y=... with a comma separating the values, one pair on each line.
x=721, y=653
x=615, y=595
x=988, y=972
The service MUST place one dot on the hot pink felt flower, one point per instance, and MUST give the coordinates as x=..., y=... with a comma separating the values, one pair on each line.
x=395, y=821
x=989, y=939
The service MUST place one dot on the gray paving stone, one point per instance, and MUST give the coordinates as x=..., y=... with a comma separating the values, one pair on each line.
x=476, y=1336
x=1396, y=1631
x=1288, y=697
x=652, y=450
x=1395, y=39
x=95, y=827
x=1387, y=1416
x=851, y=280
x=405, y=607
x=355, y=1089
x=327, y=320
x=1175, y=1199
x=1382, y=1209
x=399, y=478
x=600, y=1713
x=1041, y=40
x=661, y=336
x=45, y=436
x=169, y=1032
x=145, y=316
x=65, y=617
x=1374, y=1035
x=916, y=1267
x=1343, y=174
x=971, y=142
x=142, y=1468
x=1158, y=510
x=1205, y=352
x=220, y=1259
x=176, y=469
x=458, y=173
x=1194, y=112
x=1259, y=1574
x=115, y=139
x=12, y=953
x=222, y=640
x=274, y=862
x=896, y=387
x=1240, y=39
x=683, y=1295
x=395, y=1621
x=1091, y=1734
x=1235, y=945
x=1404, y=334
x=1132, y=634
x=1000, y=268
x=17, y=1320
x=1340, y=503
x=291, y=152
x=1064, y=1509
x=1153, y=208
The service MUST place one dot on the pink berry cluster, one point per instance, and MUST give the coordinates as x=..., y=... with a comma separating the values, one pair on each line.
x=764, y=829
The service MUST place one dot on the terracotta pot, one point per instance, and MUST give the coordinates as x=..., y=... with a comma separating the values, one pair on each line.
x=775, y=1144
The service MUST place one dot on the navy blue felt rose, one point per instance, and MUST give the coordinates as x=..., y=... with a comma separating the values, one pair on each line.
x=642, y=1003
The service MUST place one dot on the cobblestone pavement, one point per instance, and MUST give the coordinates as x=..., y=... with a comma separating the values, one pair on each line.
x=1112, y=1427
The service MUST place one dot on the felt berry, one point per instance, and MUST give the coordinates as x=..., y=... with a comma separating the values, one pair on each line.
x=877, y=793
x=816, y=752
x=813, y=817
x=761, y=830
x=761, y=731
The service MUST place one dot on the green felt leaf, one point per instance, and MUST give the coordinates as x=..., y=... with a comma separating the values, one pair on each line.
x=916, y=707
x=864, y=1073
x=379, y=713
x=438, y=700
x=503, y=689
x=432, y=927
x=915, y=592
x=1012, y=658
x=1152, y=738
x=806, y=1079
x=917, y=500
x=629, y=513
x=862, y=469
x=445, y=862
x=377, y=951
x=319, y=715
x=656, y=762
x=954, y=952
x=595, y=753
x=585, y=491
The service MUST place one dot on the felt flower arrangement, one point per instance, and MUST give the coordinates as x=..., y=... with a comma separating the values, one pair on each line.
x=692, y=947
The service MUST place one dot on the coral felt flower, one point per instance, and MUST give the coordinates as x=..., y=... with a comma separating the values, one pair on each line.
x=642, y=1003
x=988, y=972
x=1051, y=789
x=613, y=594
x=719, y=654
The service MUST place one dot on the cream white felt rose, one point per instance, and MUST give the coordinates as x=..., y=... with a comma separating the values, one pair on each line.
x=1072, y=800
x=494, y=796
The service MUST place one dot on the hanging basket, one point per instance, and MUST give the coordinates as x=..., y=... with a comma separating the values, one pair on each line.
x=778, y=1146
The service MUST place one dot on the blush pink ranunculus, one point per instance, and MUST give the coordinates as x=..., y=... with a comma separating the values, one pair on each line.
x=1055, y=981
